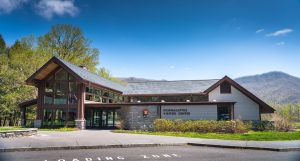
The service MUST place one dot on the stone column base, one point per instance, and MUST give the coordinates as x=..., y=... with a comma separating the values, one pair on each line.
x=80, y=124
x=37, y=123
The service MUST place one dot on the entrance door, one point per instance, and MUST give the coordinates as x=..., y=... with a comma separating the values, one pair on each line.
x=100, y=118
x=96, y=119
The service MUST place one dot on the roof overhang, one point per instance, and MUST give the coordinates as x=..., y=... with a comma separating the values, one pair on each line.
x=50, y=66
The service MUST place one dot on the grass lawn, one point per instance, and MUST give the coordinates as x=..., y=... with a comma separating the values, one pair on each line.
x=61, y=129
x=7, y=128
x=255, y=136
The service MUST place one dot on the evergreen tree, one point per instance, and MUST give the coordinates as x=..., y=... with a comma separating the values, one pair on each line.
x=2, y=45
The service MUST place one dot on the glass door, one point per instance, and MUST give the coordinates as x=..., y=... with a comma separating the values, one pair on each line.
x=100, y=118
x=110, y=118
x=104, y=119
x=96, y=118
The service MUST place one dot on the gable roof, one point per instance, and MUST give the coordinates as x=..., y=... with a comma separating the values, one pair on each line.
x=265, y=108
x=78, y=72
x=168, y=87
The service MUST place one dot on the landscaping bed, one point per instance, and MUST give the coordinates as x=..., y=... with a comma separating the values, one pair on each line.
x=252, y=135
x=226, y=130
x=60, y=129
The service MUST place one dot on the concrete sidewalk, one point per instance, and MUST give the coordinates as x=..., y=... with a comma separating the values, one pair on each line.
x=91, y=139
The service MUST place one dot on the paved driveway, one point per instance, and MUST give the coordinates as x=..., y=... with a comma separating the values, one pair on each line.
x=105, y=137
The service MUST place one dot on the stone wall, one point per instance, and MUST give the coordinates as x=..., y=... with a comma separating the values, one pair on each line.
x=133, y=117
x=17, y=133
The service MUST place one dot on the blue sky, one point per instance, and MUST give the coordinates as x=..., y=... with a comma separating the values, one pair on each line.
x=172, y=39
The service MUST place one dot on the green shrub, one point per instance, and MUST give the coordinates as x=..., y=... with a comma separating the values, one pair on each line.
x=201, y=126
x=264, y=126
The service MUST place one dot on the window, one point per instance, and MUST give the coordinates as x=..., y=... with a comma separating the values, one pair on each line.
x=60, y=98
x=105, y=93
x=61, y=75
x=48, y=98
x=88, y=89
x=61, y=87
x=89, y=97
x=97, y=92
x=72, y=116
x=49, y=86
x=225, y=87
x=72, y=94
x=60, y=117
x=224, y=112
x=73, y=87
x=97, y=99
x=72, y=98
x=47, y=117
x=71, y=77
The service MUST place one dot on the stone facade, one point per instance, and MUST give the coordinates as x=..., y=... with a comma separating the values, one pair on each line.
x=135, y=120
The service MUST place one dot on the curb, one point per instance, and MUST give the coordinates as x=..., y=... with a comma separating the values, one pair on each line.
x=145, y=145
x=88, y=147
x=245, y=147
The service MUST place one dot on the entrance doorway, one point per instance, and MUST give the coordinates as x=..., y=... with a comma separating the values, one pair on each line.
x=100, y=118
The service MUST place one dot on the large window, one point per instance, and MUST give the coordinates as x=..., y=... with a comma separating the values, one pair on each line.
x=60, y=89
x=60, y=98
x=225, y=87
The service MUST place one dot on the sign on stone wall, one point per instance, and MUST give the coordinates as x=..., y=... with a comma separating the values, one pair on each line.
x=189, y=112
x=176, y=111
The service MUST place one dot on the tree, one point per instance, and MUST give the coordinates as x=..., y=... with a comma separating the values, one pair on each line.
x=103, y=72
x=2, y=45
x=20, y=62
x=69, y=43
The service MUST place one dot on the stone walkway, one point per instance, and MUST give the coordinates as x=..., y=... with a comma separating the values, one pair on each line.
x=46, y=140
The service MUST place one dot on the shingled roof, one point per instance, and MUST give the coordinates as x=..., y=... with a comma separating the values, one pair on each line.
x=169, y=87
x=91, y=77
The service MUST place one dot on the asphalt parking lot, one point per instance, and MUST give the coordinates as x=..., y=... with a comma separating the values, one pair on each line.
x=174, y=153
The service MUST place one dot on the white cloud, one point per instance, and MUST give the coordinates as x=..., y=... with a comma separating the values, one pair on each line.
x=49, y=8
x=259, y=31
x=280, y=32
x=280, y=43
x=7, y=6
